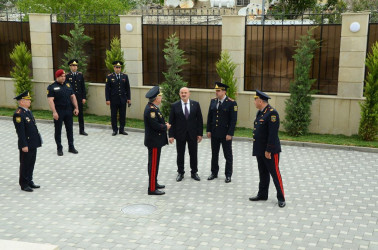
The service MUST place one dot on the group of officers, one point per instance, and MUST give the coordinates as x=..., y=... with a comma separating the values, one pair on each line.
x=67, y=95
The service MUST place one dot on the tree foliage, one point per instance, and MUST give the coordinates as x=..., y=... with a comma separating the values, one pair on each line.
x=114, y=54
x=291, y=9
x=226, y=70
x=368, y=129
x=298, y=105
x=22, y=58
x=173, y=80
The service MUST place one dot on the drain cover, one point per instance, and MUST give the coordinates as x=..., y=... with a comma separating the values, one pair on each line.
x=139, y=209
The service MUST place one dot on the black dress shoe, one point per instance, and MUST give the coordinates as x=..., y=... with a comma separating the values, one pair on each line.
x=158, y=186
x=196, y=177
x=60, y=152
x=227, y=180
x=73, y=150
x=83, y=133
x=32, y=185
x=258, y=198
x=114, y=133
x=27, y=189
x=180, y=177
x=212, y=177
x=123, y=133
x=156, y=192
x=281, y=204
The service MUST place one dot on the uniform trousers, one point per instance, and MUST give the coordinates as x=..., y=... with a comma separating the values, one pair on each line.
x=65, y=116
x=117, y=106
x=227, y=152
x=27, y=162
x=153, y=167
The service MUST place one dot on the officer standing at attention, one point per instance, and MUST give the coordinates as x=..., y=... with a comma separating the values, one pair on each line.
x=267, y=148
x=221, y=122
x=117, y=94
x=155, y=137
x=61, y=97
x=29, y=140
x=76, y=80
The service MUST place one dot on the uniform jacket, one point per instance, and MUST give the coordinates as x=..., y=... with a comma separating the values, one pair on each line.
x=181, y=126
x=265, y=132
x=26, y=128
x=115, y=88
x=155, y=133
x=61, y=93
x=77, y=84
x=222, y=121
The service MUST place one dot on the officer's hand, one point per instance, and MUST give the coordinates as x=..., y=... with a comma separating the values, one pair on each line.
x=168, y=125
x=228, y=137
x=84, y=101
x=199, y=139
x=76, y=111
x=55, y=116
x=128, y=101
x=171, y=140
x=25, y=149
x=107, y=102
x=268, y=155
x=208, y=134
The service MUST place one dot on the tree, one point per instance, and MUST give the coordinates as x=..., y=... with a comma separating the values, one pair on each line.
x=291, y=9
x=226, y=71
x=114, y=54
x=298, y=106
x=22, y=59
x=173, y=80
x=6, y=4
x=368, y=129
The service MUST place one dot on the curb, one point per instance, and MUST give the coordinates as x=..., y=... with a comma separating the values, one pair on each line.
x=283, y=142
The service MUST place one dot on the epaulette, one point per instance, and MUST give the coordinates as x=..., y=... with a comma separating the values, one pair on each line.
x=79, y=73
x=19, y=110
x=110, y=74
x=152, y=106
x=214, y=98
x=232, y=100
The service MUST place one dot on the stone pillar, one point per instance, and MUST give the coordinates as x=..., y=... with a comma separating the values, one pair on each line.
x=233, y=39
x=131, y=44
x=352, y=55
x=41, y=47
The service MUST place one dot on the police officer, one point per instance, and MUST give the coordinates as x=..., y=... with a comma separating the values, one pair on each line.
x=267, y=148
x=221, y=122
x=61, y=97
x=117, y=94
x=155, y=137
x=76, y=80
x=29, y=140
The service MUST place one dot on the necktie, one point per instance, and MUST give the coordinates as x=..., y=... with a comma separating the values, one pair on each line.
x=219, y=104
x=186, y=111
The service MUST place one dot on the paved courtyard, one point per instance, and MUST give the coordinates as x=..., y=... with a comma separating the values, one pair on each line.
x=332, y=198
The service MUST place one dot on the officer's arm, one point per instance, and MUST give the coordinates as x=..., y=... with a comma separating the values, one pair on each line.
x=233, y=118
x=83, y=90
x=208, y=126
x=273, y=125
x=107, y=89
x=74, y=101
x=199, y=121
x=128, y=93
x=20, y=129
x=154, y=123
x=172, y=121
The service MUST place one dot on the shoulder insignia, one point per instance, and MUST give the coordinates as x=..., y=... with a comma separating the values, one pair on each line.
x=214, y=98
x=106, y=80
x=18, y=111
x=110, y=74
x=235, y=108
x=68, y=85
x=273, y=118
x=18, y=119
x=231, y=99
x=271, y=109
x=79, y=73
x=47, y=91
x=153, y=114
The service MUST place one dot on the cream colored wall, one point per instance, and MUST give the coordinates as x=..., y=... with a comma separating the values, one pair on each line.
x=330, y=114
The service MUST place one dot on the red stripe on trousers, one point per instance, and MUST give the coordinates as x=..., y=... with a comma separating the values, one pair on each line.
x=278, y=173
x=153, y=169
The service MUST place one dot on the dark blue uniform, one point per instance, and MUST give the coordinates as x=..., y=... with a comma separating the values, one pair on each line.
x=76, y=80
x=155, y=137
x=63, y=105
x=28, y=136
x=117, y=91
x=265, y=136
x=221, y=121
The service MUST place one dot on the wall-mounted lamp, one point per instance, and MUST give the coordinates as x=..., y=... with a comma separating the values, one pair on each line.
x=354, y=27
x=129, y=27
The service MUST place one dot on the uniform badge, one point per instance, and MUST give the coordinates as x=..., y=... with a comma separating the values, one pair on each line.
x=153, y=114
x=235, y=108
x=106, y=80
x=18, y=119
x=70, y=79
x=27, y=119
x=47, y=91
x=68, y=85
x=273, y=118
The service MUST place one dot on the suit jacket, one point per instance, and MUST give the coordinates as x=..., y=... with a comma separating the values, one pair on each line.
x=26, y=128
x=265, y=132
x=155, y=130
x=117, y=89
x=222, y=121
x=77, y=84
x=181, y=126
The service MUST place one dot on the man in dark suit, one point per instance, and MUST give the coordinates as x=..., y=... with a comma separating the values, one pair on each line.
x=267, y=148
x=29, y=140
x=155, y=137
x=117, y=94
x=76, y=80
x=187, y=127
x=221, y=122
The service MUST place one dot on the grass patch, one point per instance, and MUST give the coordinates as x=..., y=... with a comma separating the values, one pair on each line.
x=239, y=132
